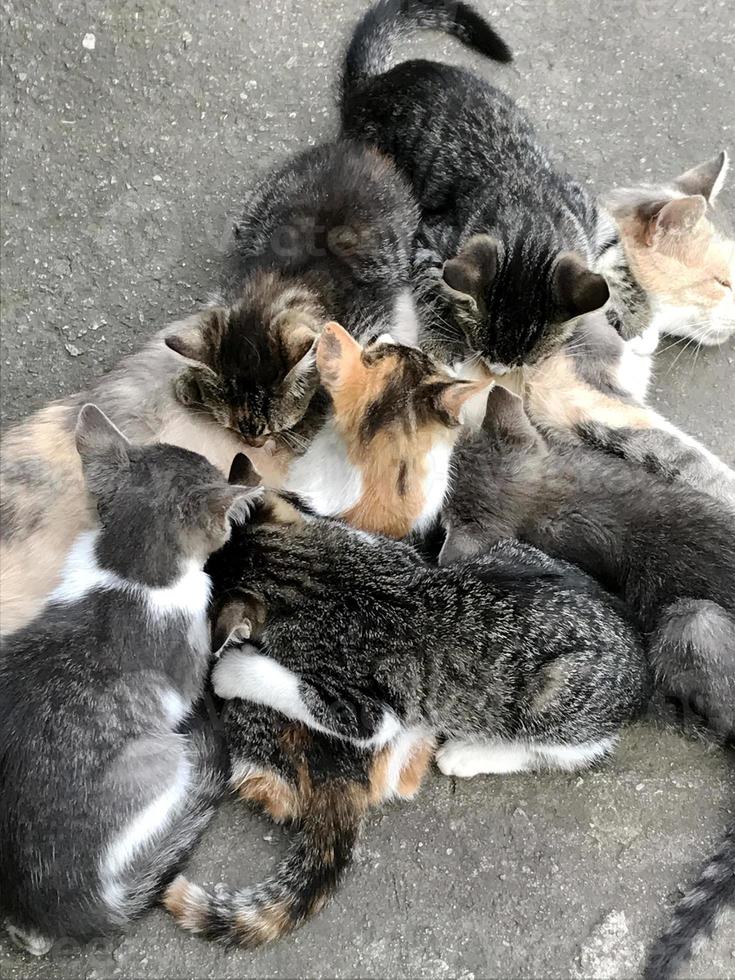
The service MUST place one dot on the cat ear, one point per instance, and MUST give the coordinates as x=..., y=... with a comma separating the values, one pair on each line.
x=474, y=268
x=506, y=417
x=337, y=355
x=459, y=545
x=231, y=626
x=299, y=342
x=577, y=289
x=96, y=435
x=678, y=217
x=224, y=505
x=242, y=472
x=706, y=179
x=193, y=339
x=454, y=396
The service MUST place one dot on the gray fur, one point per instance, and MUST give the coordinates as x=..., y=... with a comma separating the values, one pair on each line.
x=97, y=698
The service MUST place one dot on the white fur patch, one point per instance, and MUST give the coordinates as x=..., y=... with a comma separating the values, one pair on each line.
x=636, y=365
x=324, y=477
x=402, y=751
x=709, y=327
x=465, y=759
x=436, y=481
x=249, y=674
x=174, y=706
x=82, y=574
x=405, y=328
x=148, y=824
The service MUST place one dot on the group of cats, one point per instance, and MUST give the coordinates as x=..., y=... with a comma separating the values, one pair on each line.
x=586, y=547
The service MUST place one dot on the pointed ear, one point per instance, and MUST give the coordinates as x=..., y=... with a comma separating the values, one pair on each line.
x=242, y=472
x=706, y=179
x=194, y=339
x=454, y=396
x=506, y=417
x=474, y=268
x=299, y=342
x=230, y=504
x=678, y=217
x=337, y=355
x=459, y=545
x=96, y=435
x=577, y=289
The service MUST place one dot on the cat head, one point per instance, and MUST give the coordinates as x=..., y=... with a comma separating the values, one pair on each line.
x=676, y=251
x=159, y=505
x=252, y=365
x=516, y=301
x=396, y=416
x=497, y=472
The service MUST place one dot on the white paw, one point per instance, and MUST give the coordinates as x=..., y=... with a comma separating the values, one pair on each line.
x=467, y=759
x=230, y=673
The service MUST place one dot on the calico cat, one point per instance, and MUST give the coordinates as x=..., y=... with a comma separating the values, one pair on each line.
x=666, y=549
x=107, y=778
x=359, y=639
x=516, y=236
x=328, y=235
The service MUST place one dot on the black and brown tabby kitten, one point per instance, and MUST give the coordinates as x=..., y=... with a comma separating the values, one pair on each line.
x=327, y=236
x=516, y=235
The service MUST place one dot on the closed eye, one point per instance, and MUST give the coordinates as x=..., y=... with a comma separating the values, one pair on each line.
x=724, y=283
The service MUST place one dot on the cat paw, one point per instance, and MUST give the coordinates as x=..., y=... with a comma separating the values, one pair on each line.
x=228, y=676
x=467, y=759
x=32, y=942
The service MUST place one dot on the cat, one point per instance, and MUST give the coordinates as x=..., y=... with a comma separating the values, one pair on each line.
x=44, y=504
x=515, y=235
x=381, y=463
x=108, y=778
x=666, y=549
x=359, y=639
x=239, y=373
x=328, y=235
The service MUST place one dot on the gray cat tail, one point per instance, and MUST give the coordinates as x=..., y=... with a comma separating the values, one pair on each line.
x=696, y=914
x=318, y=857
x=389, y=21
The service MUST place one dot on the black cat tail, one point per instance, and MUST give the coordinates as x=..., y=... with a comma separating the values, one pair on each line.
x=387, y=21
x=318, y=857
x=696, y=914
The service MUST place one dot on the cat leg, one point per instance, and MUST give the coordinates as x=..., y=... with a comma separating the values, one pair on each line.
x=464, y=758
x=499, y=757
x=28, y=940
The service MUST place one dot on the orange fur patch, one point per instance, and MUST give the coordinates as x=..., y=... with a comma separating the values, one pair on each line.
x=273, y=794
x=413, y=772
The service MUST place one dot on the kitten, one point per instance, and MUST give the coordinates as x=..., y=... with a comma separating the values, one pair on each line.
x=44, y=504
x=521, y=662
x=664, y=548
x=516, y=236
x=105, y=791
x=328, y=235
x=668, y=244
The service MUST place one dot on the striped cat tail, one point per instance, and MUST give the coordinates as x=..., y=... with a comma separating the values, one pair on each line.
x=389, y=21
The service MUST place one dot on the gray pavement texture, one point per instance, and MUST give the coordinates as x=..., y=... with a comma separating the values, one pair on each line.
x=123, y=157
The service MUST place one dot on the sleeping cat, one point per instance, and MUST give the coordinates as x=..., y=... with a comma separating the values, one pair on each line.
x=358, y=638
x=107, y=777
x=666, y=549
x=328, y=235
x=516, y=236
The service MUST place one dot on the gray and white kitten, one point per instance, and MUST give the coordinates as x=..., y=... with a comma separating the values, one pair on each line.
x=108, y=779
x=663, y=547
x=518, y=660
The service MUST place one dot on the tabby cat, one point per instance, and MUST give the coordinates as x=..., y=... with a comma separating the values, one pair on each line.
x=523, y=657
x=665, y=548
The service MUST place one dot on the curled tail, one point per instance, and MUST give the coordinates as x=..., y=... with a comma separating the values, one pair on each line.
x=319, y=855
x=693, y=655
x=696, y=914
x=388, y=21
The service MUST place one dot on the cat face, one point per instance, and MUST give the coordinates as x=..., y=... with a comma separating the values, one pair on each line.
x=677, y=253
x=517, y=301
x=253, y=365
x=397, y=413
x=156, y=498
